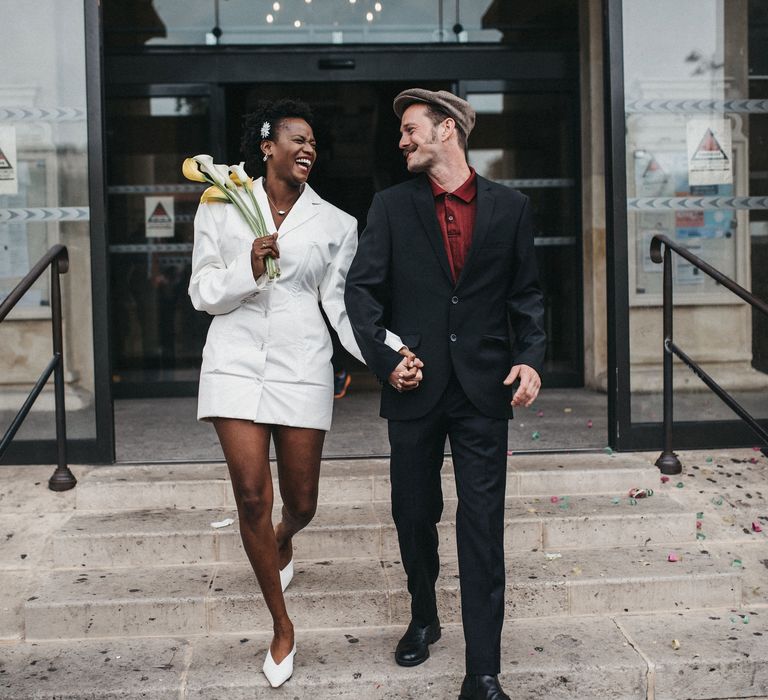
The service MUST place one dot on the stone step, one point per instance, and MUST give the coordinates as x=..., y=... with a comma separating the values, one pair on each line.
x=130, y=538
x=366, y=593
x=627, y=657
x=354, y=481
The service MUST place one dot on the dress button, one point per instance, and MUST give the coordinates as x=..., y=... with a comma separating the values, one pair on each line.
x=453, y=337
x=454, y=300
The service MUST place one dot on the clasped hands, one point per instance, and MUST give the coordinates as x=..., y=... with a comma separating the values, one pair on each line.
x=407, y=376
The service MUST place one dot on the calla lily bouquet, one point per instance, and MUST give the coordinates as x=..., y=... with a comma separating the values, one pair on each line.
x=230, y=183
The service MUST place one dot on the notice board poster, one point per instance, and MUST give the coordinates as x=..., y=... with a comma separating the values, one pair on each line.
x=9, y=166
x=710, y=152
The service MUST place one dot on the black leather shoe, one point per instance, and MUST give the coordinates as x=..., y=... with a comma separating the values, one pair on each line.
x=413, y=647
x=481, y=688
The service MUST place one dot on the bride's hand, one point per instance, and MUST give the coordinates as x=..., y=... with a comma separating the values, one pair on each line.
x=260, y=249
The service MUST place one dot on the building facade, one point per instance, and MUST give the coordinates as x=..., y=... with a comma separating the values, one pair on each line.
x=619, y=118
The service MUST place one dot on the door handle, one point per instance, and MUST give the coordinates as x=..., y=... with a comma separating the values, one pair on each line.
x=336, y=64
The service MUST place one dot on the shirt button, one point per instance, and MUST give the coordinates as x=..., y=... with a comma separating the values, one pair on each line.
x=454, y=300
x=453, y=337
x=450, y=218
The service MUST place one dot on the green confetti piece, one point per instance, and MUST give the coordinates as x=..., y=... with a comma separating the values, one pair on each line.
x=736, y=563
x=717, y=500
x=699, y=515
x=608, y=450
x=734, y=620
x=535, y=435
x=745, y=619
x=615, y=500
x=709, y=460
x=633, y=501
x=701, y=536
x=680, y=484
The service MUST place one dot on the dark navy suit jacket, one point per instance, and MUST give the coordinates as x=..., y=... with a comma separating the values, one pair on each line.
x=490, y=319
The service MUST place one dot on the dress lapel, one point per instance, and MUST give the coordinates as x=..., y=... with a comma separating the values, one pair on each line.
x=306, y=207
x=485, y=202
x=424, y=201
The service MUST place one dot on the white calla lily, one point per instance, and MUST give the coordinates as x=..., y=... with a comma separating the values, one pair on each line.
x=242, y=176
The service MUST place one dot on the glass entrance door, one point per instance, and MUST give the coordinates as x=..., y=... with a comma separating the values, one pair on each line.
x=527, y=140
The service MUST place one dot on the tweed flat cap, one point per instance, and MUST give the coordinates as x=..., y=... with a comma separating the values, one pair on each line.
x=460, y=110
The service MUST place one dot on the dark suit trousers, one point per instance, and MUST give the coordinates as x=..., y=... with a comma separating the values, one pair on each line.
x=478, y=445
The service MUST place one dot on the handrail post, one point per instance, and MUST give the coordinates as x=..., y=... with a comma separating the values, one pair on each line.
x=62, y=479
x=668, y=462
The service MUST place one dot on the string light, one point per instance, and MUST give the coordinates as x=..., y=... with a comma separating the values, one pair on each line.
x=377, y=7
x=276, y=6
x=297, y=23
x=270, y=19
x=369, y=16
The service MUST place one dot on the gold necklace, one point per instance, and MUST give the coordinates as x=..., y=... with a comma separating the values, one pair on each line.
x=281, y=212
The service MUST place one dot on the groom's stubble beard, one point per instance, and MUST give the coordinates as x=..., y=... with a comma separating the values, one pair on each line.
x=423, y=165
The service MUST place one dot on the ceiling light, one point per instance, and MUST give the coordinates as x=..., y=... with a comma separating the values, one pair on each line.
x=270, y=19
x=297, y=23
x=369, y=16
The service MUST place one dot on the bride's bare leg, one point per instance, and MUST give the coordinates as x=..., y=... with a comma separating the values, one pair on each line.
x=299, y=451
x=246, y=449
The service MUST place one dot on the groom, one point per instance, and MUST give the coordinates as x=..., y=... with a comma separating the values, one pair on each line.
x=446, y=261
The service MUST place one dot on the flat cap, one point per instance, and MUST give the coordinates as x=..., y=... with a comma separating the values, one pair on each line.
x=460, y=110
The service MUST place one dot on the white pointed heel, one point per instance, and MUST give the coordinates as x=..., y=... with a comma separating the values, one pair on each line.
x=286, y=575
x=277, y=674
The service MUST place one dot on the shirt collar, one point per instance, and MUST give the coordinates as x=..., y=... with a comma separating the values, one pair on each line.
x=465, y=192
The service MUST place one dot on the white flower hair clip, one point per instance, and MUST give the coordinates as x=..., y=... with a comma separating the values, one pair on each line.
x=265, y=127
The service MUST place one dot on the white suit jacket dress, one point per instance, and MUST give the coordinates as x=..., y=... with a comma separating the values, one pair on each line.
x=267, y=356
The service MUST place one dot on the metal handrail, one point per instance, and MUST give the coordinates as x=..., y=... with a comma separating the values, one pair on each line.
x=57, y=258
x=668, y=462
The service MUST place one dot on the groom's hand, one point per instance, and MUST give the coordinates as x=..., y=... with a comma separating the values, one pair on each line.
x=530, y=383
x=407, y=375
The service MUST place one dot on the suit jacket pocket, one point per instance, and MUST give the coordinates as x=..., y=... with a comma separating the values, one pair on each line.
x=497, y=339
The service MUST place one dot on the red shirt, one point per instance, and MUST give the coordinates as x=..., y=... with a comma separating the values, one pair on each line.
x=456, y=214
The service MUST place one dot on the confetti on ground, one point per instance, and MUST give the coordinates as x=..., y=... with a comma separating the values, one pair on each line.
x=673, y=557
x=552, y=555
x=756, y=526
x=633, y=501
x=698, y=524
x=568, y=410
x=608, y=450
x=223, y=523
x=700, y=514
x=554, y=499
x=709, y=460
x=736, y=563
x=615, y=500
x=640, y=493
x=675, y=644
x=664, y=479
x=701, y=536
x=589, y=423
x=717, y=500
x=680, y=484
x=509, y=453
x=540, y=414
x=535, y=435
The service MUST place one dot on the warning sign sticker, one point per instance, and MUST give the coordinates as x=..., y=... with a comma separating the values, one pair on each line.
x=9, y=178
x=710, y=155
x=159, y=217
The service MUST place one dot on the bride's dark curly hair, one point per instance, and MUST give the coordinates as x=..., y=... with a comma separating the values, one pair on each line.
x=274, y=113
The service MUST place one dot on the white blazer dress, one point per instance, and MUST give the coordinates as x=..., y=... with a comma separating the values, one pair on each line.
x=267, y=356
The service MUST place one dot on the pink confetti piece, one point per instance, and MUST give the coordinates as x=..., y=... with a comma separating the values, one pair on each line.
x=540, y=414
x=664, y=479
x=589, y=423
x=554, y=499
x=509, y=453
x=757, y=527
x=672, y=557
x=698, y=525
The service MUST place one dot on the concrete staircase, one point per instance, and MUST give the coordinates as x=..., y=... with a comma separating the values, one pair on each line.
x=142, y=585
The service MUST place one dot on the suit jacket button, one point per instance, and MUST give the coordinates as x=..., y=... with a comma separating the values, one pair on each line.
x=454, y=300
x=453, y=337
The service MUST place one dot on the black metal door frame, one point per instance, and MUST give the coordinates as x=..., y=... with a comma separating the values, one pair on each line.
x=623, y=434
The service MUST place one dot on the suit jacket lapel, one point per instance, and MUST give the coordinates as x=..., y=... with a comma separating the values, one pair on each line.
x=485, y=202
x=424, y=202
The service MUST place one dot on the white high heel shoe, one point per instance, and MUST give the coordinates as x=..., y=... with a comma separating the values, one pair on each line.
x=286, y=575
x=277, y=674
